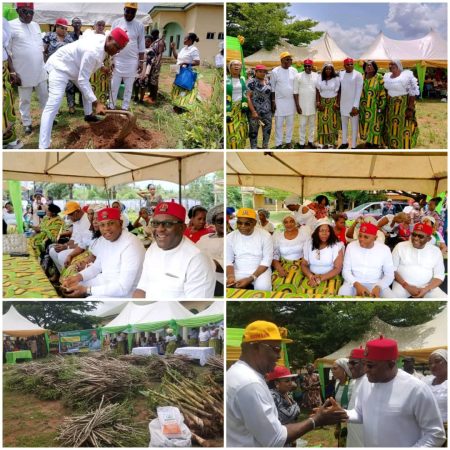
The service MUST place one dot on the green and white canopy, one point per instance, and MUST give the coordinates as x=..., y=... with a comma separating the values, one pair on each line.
x=214, y=313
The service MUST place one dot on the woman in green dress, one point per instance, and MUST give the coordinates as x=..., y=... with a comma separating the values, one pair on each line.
x=48, y=230
x=237, y=107
x=372, y=107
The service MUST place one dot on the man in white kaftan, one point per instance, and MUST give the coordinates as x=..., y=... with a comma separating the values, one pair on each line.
x=76, y=62
x=283, y=104
x=305, y=102
x=26, y=49
x=351, y=89
x=129, y=62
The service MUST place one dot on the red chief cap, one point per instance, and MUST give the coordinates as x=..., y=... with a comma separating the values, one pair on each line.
x=308, y=61
x=260, y=67
x=357, y=353
x=120, y=36
x=280, y=372
x=108, y=214
x=368, y=228
x=348, y=60
x=63, y=22
x=423, y=228
x=25, y=5
x=172, y=209
x=381, y=349
x=85, y=208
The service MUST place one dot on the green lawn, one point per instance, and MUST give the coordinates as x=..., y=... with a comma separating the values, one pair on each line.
x=167, y=127
x=431, y=116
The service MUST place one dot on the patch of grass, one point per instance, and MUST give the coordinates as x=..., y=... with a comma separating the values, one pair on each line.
x=44, y=439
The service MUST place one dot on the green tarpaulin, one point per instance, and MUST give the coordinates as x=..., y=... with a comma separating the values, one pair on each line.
x=195, y=322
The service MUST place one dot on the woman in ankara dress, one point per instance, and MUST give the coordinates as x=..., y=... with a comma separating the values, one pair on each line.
x=237, y=107
x=48, y=230
x=372, y=106
x=401, y=86
x=327, y=102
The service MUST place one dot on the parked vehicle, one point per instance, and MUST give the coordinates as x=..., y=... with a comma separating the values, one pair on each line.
x=373, y=209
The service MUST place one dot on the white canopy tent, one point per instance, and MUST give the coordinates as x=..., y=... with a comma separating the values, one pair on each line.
x=88, y=13
x=215, y=308
x=14, y=324
x=309, y=173
x=430, y=51
x=158, y=313
x=325, y=50
x=418, y=341
x=110, y=168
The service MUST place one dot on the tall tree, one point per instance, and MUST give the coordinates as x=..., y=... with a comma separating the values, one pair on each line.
x=56, y=316
x=263, y=25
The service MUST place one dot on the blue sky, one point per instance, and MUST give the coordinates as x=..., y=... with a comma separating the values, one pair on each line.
x=354, y=26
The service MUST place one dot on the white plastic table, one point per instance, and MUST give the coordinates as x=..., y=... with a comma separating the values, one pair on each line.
x=200, y=353
x=144, y=351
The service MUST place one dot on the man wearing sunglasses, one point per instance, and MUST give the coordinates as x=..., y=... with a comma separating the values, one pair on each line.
x=118, y=262
x=252, y=417
x=305, y=102
x=76, y=62
x=174, y=267
x=27, y=62
x=249, y=254
x=351, y=89
x=419, y=266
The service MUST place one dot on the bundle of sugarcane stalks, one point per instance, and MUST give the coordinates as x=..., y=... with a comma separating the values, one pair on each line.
x=106, y=426
x=200, y=403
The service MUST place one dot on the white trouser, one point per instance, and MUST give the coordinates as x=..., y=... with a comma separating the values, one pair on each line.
x=355, y=122
x=59, y=258
x=400, y=292
x=279, y=120
x=25, y=100
x=311, y=121
x=115, y=85
x=347, y=289
x=262, y=283
x=57, y=82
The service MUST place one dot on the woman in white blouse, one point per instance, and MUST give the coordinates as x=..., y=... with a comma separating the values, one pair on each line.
x=438, y=380
x=402, y=130
x=182, y=99
x=323, y=255
x=288, y=244
x=328, y=103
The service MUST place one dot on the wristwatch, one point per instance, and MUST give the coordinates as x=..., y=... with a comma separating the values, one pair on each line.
x=89, y=291
x=254, y=277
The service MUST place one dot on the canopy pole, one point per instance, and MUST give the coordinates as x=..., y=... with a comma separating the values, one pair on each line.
x=303, y=189
x=436, y=185
x=179, y=181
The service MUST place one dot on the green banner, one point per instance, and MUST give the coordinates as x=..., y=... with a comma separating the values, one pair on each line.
x=9, y=11
x=15, y=194
x=79, y=341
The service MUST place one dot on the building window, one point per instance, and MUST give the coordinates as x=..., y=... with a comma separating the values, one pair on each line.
x=220, y=36
x=210, y=35
x=269, y=201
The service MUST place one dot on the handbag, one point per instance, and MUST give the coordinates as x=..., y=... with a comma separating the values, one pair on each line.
x=186, y=78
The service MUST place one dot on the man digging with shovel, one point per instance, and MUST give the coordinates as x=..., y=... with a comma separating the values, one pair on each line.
x=76, y=62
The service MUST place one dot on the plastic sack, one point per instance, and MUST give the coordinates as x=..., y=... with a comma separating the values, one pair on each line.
x=186, y=78
x=169, y=429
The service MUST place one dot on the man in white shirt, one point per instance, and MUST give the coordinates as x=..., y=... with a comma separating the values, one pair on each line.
x=368, y=269
x=27, y=57
x=80, y=234
x=76, y=62
x=302, y=214
x=252, y=417
x=408, y=367
x=283, y=104
x=419, y=266
x=249, y=254
x=118, y=262
x=305, y=102
x=129, y=62
x=351, y=89
x=355, y=432
x=174, y=267
x=395, y=408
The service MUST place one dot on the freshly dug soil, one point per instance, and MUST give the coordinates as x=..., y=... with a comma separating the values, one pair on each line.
x=105, y=134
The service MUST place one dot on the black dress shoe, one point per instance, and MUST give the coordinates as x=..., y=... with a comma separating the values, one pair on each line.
x=28, y=129
x=301, y=146
x=91, y=118
x=312, y=145
x=342, y=146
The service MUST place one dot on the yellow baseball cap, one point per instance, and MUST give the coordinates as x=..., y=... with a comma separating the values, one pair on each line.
x=131, y=5
x=71, y=207
x=262, y=331
x=246, y=212
x=285, y=55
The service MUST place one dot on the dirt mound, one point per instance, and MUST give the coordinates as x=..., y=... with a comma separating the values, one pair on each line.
x=105, y=134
